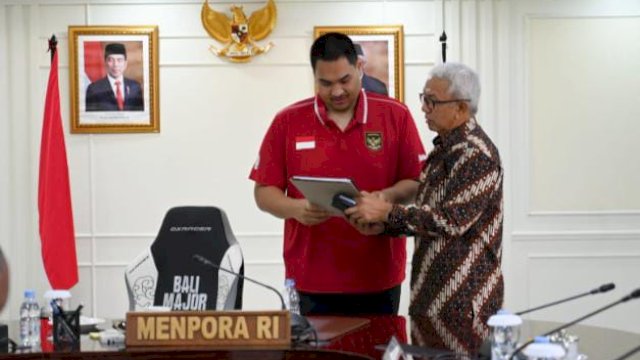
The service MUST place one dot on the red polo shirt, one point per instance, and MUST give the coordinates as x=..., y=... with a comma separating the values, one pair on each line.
x=379, y=147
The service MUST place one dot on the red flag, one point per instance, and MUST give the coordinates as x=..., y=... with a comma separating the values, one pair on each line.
x=54, y=197
x=93, y=61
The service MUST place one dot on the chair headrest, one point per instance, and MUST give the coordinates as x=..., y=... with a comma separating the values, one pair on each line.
x=189, y=230
x=191, y=219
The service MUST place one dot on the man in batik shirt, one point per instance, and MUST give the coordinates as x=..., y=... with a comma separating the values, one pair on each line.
x=456, y=280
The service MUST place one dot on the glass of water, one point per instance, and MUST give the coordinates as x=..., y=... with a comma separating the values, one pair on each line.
x=504, y=340
x=505, y=334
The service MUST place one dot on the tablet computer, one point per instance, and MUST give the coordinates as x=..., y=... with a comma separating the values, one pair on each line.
x=321, y=190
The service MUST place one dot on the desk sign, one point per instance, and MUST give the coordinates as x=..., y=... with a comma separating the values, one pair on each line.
x=209, y=328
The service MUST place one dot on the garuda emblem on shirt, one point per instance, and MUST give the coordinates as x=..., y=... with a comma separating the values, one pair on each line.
x=239, y=34
x=373, y=140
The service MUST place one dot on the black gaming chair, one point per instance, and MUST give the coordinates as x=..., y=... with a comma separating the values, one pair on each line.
x=167, y=275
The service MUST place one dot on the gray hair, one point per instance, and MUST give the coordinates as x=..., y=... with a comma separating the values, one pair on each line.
x=463, y=82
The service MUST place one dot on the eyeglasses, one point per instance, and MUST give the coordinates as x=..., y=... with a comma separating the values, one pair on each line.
x=431, y=102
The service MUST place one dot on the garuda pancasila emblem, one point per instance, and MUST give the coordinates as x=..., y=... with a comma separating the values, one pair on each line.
x=239, y=34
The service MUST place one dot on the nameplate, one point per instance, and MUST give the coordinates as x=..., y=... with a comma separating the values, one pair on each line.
x=209, y=328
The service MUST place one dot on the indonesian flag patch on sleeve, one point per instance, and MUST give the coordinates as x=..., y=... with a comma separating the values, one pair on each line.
x=305, y=142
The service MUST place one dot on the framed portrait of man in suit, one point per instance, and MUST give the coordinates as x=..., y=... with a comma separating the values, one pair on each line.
x=380, y=48
x=114, y=79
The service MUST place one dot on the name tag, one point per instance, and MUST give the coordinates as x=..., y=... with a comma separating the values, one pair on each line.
x=209, y=328
x=305, y=142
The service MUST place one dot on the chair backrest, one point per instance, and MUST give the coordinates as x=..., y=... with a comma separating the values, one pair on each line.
x=166, y=274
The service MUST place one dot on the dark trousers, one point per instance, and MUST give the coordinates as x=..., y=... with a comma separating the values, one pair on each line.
x=384, y=302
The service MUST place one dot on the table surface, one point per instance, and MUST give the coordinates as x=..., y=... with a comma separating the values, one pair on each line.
x=596, y=342
x=365, y=342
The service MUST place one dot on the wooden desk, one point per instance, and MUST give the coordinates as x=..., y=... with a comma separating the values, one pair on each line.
x=192, y=354
x=598, y=343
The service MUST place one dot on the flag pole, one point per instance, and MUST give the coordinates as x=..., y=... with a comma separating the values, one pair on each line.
x=53, y=46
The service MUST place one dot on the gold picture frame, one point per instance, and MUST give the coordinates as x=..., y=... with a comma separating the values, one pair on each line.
x=383, y=47
x=99, y=102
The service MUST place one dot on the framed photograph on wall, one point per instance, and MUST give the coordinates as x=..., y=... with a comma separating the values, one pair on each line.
x=381, y=47
x=114, y=79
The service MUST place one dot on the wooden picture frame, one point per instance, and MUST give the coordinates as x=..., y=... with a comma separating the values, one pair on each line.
x=383, y=48
x=99, y=102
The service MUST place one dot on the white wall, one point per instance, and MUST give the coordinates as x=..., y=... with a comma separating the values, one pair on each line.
x=579, y=131
x=213, y=117
x=568, y=231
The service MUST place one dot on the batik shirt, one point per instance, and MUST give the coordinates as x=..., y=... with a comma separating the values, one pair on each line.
x=456, y=280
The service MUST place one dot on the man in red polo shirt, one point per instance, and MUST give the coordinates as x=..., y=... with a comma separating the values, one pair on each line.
x=341, y=132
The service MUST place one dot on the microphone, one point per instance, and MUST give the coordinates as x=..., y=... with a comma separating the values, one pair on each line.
x=485, y=348
x=602, y=289
x=208, y=262
x=634, y=295
x=300, y=326
x=628, y=354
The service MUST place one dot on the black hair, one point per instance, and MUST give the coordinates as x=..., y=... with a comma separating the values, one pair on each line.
x=115, y=48
x=358, y=49
x=332, y=46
